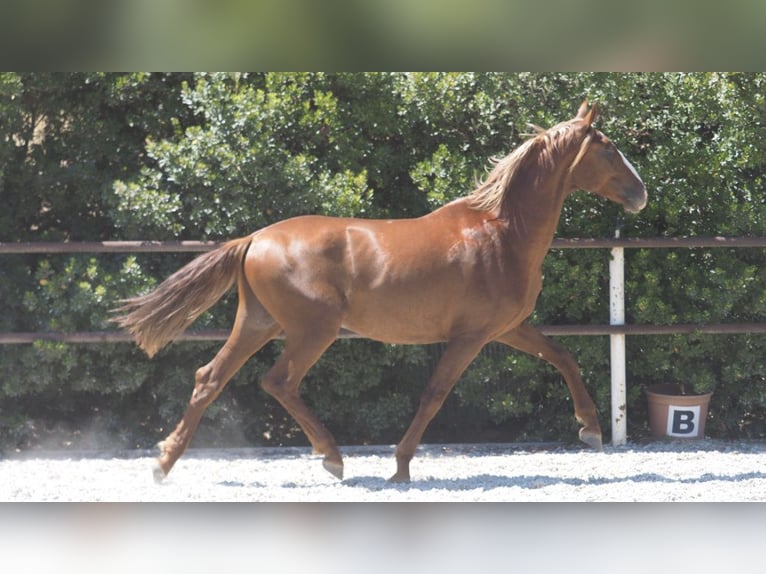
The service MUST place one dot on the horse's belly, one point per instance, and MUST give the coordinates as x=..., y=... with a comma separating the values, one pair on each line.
x=400, y=322
x=397, y=335
x=434, y=312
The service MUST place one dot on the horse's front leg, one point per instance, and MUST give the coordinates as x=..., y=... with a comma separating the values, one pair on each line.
x=457, y=356
x=528, y=339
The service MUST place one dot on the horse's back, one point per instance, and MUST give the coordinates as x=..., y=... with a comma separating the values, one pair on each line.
x=367, y=253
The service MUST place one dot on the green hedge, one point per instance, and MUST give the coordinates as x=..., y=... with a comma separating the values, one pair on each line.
x=177, y=156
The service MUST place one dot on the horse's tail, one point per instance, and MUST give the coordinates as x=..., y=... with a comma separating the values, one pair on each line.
x=159, y=317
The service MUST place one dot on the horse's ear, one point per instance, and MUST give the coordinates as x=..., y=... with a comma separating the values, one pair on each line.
x=588, y=114
x=592, y=115
x=583, y=109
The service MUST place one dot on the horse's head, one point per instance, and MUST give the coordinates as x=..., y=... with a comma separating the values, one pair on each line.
x=600, y=167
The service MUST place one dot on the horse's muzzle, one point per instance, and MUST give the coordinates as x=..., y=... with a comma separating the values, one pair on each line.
x=634, y=200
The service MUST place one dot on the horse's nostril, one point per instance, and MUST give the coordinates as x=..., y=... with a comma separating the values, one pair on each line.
x=635, y=202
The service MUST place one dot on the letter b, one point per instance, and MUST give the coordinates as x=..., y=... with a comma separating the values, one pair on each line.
x=682, y=421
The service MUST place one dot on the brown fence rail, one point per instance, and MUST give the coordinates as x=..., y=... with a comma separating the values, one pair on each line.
x=199, y=246
x=555, y=330
x=108, y=246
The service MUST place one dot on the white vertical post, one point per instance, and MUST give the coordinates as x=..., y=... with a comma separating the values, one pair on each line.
x=617, y=345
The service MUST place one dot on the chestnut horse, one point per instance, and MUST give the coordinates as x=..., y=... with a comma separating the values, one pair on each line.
x=466, y=274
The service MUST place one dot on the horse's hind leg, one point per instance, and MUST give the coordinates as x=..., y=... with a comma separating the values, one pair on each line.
x=528, y=339
x=301, y=351
x=251, y=331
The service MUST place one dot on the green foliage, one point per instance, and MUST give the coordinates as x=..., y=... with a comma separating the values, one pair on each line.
x=195, y=156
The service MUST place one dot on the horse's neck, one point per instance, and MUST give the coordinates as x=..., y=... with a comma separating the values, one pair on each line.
x=533, y=211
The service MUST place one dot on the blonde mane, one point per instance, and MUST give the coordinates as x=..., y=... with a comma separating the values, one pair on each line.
x=541, y=148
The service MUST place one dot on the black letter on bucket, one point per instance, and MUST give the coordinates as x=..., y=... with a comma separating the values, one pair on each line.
x=683, y=422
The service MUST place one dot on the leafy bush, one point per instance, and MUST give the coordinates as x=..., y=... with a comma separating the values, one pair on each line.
x=180, y=156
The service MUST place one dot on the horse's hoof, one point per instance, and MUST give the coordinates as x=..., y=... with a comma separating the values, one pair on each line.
x=159, y=474
x=592, y=439
x=400, y=478
x=334, y=468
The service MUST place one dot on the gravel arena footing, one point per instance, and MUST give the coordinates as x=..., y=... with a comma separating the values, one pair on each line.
x=680, y=470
